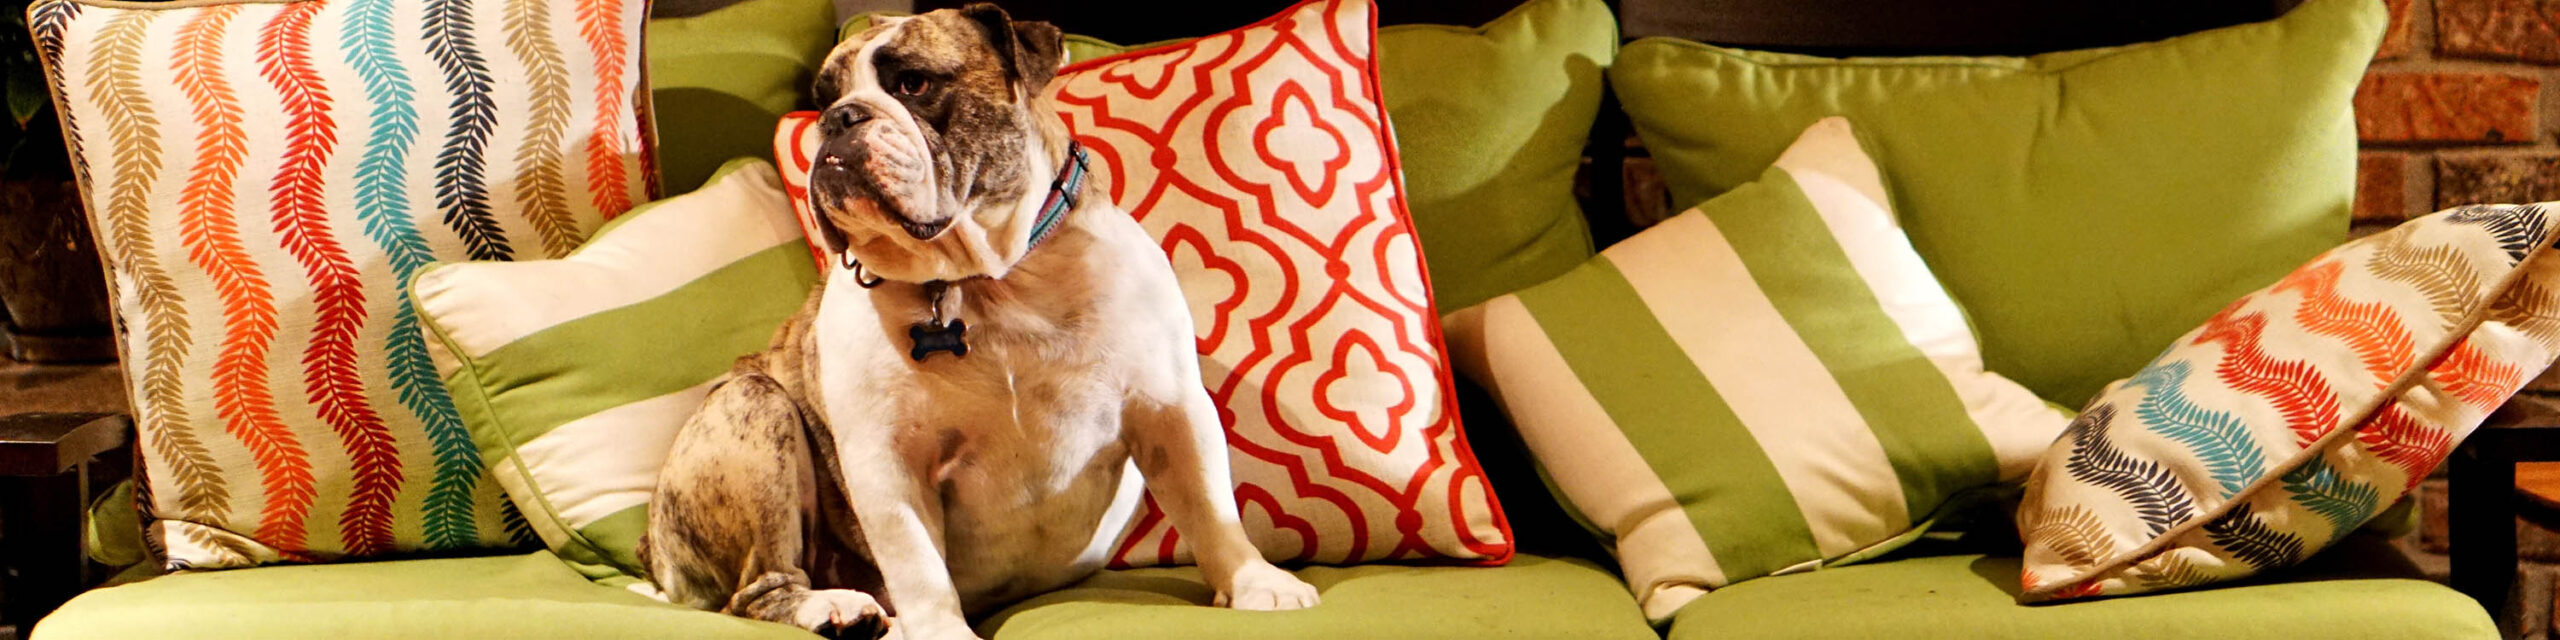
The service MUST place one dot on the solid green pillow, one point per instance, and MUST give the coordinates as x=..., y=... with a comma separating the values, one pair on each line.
x=2087, y=207
x=1489, y=124
x=721, y=79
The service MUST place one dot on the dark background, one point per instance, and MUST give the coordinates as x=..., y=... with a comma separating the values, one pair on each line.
x=1828, y=27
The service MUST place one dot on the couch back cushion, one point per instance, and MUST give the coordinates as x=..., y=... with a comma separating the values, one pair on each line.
x=264, y=176
x=1489, y=122
x=2086, y=206
x=726, y=75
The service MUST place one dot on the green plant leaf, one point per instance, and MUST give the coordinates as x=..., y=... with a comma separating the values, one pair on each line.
x=27, y=96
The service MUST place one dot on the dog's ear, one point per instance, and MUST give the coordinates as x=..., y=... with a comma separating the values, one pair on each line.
x=1030, y=50
x=1040, y=48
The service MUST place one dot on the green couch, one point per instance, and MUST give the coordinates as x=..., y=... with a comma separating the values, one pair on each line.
x=718, y=92
x=1938, y=588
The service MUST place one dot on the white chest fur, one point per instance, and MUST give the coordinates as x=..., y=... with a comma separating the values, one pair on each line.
x=1021, y=441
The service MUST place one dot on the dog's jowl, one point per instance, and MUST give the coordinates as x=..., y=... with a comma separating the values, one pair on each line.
x=961, y=414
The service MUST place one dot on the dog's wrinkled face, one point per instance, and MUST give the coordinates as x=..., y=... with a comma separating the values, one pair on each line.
x=933, y=139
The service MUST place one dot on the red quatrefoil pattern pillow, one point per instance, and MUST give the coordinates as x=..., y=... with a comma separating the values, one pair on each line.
x=1262, y=161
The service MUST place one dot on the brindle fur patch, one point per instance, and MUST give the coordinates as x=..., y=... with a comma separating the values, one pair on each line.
x=749, y=518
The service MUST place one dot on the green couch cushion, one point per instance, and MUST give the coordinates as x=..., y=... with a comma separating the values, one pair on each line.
x=522, y=596
x=1489, y=124
x=1533, y=597
x=721, y=79
x=2359, y=590
x=2087, y=207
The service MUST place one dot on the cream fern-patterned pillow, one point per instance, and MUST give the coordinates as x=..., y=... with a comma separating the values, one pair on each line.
x=2296, y=413
x=264, y=177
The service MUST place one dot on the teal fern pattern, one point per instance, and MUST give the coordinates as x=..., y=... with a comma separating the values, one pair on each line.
x=519, y=532
x=382, y=203
x=2219, y=440
x=2321, y=489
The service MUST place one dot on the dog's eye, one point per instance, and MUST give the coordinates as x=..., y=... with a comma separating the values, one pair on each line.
x=912, y=85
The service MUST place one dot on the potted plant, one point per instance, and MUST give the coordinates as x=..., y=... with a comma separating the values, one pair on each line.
x=53, y=303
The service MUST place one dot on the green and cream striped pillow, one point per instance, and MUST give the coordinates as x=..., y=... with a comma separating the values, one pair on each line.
x=1769, y=383
x=574, y=374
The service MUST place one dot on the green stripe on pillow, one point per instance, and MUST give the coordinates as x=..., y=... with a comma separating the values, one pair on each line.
x=1780, y=363
x=615, y=539
x=575, y=374
x=1811, y=281
x=590, y=364
x=1713, y=467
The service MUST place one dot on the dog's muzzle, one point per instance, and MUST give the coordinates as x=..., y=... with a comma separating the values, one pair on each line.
x=865, y=158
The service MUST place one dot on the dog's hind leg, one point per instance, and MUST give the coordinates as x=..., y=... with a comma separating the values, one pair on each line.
x=732, y=521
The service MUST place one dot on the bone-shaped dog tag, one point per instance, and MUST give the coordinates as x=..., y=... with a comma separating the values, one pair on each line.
x=928, y=339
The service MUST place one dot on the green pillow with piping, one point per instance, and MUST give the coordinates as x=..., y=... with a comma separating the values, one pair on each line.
x=574, y=374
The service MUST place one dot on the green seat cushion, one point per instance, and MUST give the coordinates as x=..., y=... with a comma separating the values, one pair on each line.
x=1533, y=597
x=721, y=80
x=2360, y=590
x=1489, y=124
x=2087, y=207
x=521, y=596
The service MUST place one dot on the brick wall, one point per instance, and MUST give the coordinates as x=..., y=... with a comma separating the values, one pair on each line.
x=2462, y=106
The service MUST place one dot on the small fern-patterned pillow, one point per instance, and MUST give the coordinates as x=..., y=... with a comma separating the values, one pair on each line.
x=2297, y=412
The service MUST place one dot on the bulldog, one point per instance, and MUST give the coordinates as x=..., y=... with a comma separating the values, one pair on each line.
x=960, y=415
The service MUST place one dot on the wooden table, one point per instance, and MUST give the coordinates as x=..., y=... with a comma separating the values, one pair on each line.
x=2482, y=500
x=44, y=486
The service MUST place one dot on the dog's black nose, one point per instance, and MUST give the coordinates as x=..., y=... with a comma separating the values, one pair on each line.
x=841, y=119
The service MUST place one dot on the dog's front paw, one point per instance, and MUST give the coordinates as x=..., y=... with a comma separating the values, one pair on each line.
x=842, y=614
x=1261, y=587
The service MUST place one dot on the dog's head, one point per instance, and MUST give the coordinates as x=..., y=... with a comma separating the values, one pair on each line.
x=938, y=142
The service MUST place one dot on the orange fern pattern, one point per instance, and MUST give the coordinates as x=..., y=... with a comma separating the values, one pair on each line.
x=2371, y=329
x=2300, y=393
x=605, y=176
x=2477, y=377
x=212, y=237
x=232, y=227
x=2398, y=437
